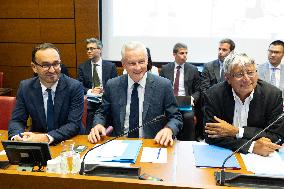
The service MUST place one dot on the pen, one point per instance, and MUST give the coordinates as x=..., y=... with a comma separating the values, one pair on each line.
x=159, y=153
x=278, y=141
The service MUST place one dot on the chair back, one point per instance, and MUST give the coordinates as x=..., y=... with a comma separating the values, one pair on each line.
x=84, y=118
x=1, y=79
x=7, y=104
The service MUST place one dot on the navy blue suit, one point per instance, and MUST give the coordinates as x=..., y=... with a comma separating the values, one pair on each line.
x=68, y=108
x=85, y=73
x=158, y=99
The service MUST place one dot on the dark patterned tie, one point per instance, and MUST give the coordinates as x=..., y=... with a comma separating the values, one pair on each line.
x=176, y=84
x=222, y=78
x=96, y=79
x=134, y=112
x=50, y=112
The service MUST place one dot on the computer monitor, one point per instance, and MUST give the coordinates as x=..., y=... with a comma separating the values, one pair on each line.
x=27, y=153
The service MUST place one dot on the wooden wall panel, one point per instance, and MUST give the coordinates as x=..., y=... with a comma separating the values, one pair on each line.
x=56, y=8
x=18, y=74
x=67, y=54
x=19, y=9
x=87, y=25
x=20, y=30
x=72, y=72
x=16, y=54
x=57, y=30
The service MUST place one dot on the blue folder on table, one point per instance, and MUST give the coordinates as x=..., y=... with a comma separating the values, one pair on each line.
x=128, y=156
x=213, y=156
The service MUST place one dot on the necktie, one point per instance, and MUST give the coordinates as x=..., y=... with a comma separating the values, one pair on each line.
x=222, y=78
x=96, y=79
x=273, y=78
x=50, y=112
x=176, y=84
x=134, y=112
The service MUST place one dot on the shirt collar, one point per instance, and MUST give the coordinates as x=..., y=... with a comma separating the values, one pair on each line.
x=176, y=65
x=237, y=98
x=142, y=82
x=99, y=62
x=220, y=63
x=271, y=66
x=53, y=87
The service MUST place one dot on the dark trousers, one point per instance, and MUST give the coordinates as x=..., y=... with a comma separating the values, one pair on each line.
x=187, y=133
x=91, y=110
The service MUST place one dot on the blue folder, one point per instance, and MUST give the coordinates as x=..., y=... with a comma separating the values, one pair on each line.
x=213, y=156
x=130, y=154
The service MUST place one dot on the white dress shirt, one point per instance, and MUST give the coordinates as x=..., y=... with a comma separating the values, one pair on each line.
x=99, y=71
x=141, y=92
x=277, y=73
x=181, y=89
x=241, y=114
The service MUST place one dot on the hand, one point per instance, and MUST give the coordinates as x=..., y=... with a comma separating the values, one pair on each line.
x=164, y=137
x=96, y=133
x=264, y=147
x=97, y=90
x=220, y=129
x=32, y=137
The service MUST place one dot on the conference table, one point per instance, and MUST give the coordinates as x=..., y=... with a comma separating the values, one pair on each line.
x=178, y=172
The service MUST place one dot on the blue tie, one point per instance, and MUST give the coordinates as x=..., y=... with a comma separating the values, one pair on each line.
x=50, y=112
x=273, y=78
x=134, y=113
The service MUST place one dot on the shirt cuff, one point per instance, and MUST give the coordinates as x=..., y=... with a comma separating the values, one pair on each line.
x=251, y=147
x=240, y=134
x=192, y=101
x=50, y=138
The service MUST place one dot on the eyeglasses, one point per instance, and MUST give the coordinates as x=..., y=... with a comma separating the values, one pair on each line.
x=46, y=67
x=91, y=48
x=274, y=52
x=240, y=75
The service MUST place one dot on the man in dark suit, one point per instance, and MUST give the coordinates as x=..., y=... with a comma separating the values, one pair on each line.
x=212, y=72
x=54, y=101
x=239, y=108
x=87, y=71
x=186, y=81
x=136, y=98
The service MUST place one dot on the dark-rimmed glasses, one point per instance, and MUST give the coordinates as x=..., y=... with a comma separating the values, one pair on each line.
x=55, y=65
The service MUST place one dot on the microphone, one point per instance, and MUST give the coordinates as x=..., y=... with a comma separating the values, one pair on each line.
x=158, y=118
x=222, y=172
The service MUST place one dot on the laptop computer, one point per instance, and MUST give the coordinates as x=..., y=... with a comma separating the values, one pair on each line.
x=184, y=103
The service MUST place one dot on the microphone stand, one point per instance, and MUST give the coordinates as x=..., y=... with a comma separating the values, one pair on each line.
x=222, y=172
x=158, y=118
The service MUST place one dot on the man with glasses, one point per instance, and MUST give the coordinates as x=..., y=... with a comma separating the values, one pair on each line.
x=273, y=71
x=94, y=74
x=54, y=101
x=242, y=106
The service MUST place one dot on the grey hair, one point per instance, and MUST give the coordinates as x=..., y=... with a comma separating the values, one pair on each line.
x=234, y=59
x=96, y=41
x=133, y=45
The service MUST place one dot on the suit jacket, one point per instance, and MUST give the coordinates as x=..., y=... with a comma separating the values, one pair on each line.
x=191, y=78
x=210, y=75
x=159, y=99
x=85, y=73
x=264, y=74
x=264, y=108
x=68, y=108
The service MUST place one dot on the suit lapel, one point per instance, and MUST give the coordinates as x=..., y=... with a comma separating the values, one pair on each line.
x=104, y=69
x=89, y=71
x=216, y=68
x=37, y=97
x=172, y=71
x=150, y=84
x=60, y=94
x=281, y=85
x=123, y=85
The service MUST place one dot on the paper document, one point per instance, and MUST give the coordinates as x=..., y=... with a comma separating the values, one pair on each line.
x=2, y=153
x=154, y=155
x=116, y=151
x=213, y=156
x=271, y=165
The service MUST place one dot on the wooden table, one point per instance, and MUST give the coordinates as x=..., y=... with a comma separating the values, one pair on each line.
x=179, y=172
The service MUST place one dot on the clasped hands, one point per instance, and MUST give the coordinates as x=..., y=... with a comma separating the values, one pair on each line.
x=31, y=137
x=163, y=137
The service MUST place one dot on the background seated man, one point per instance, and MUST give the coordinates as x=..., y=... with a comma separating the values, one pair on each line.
x=239, y=108
x=54, y=101
x=136, y=98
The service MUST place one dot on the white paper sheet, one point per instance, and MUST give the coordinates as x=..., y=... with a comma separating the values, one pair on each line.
x=271, y=165
x=154, y=155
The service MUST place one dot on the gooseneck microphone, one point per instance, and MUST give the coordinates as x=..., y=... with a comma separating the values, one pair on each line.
x=222, y=172
x=158, y=118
